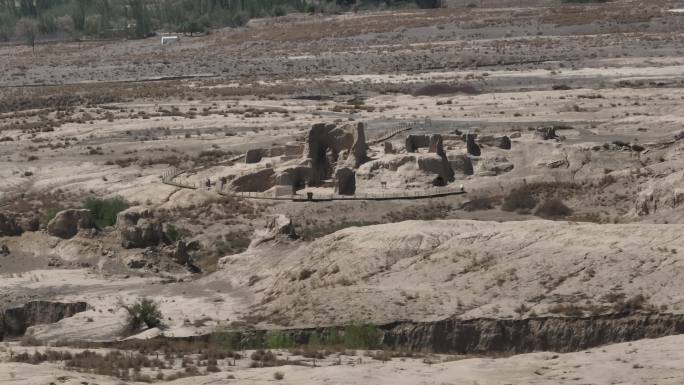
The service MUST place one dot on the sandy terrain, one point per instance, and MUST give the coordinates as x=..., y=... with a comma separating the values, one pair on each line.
x=600, y=239
x=639, y=363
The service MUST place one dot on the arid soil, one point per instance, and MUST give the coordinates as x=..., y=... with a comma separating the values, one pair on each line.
x=582, y=223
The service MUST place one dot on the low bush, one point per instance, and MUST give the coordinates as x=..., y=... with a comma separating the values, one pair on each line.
x=105, y=210
x=362, y=336
x=144, y=312
x=435, y=89
x=552, y=209
x=479, y=203
x=519, y=199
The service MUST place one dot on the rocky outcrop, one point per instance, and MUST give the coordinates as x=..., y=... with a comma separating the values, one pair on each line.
x=435, y=164
x=294, y=177
x=357, y=153
x=137, y=228
x=472, y=147
x=462, y=164
x=253, y=156
x=289, y=149
x=178, y=252
x=324, y=143
x=507, y=336
x=660, y=194
x=414, y=142
x=9, y=226
x=66, y=224
x=281, y=225
x=436, y=145
x=502, y=142
x=440, y=164
x=556, y=334
x=258, y=181
x=387, y=147
x=276, y=227
x=15, y=321
x=345, y=181
x=29, y=223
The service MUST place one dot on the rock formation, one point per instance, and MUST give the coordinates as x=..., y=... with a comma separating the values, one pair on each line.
x=357, y=153
x=473, y=148
x=345, y=181
x=324, y=143
x=388, y=148
x=260, y=181
x=66, y=224
x=414, y=142
x=462, y=164
x=440, y=165
x=436, y=145
x=281, y=225
x=137, y=228
x=435, y=164
x=295, y=177
x=9, y=226
x=178, y=252
x=502, y=142
x=253, y=156
x=558, y=334
x=276, y=226
x=15, y=321
x=29, y=223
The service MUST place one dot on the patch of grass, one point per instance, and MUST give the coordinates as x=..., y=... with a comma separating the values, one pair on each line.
x=105, y=210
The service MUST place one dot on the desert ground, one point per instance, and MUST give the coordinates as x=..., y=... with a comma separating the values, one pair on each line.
x=495, y=196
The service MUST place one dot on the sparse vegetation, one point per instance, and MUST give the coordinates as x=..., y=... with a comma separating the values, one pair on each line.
x=143, y=312
x=105, y=210
x=552, y=209
x=519, y=199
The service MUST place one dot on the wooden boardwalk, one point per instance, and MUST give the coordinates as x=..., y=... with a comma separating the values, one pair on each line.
x=407, y=195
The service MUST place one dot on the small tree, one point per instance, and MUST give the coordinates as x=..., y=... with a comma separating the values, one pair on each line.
x=27, y=30
x=144, y=311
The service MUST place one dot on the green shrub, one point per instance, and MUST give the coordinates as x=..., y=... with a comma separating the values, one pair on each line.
x=276, y=339
x=172, y=233
x=144, y=312
x=105, y=210
x=362, y=336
